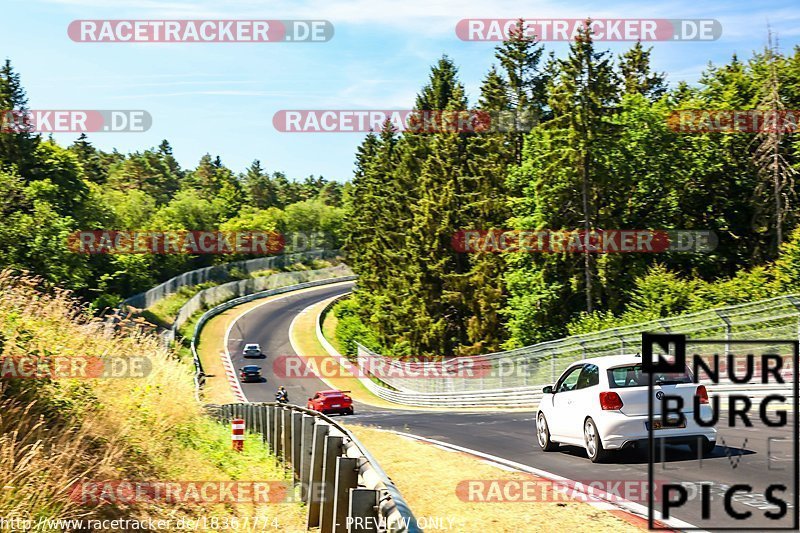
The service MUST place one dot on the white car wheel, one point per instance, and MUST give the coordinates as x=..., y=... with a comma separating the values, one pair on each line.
x=591, y=439
x=543, y=434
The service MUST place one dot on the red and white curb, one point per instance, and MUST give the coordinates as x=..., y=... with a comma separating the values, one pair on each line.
x=596, y=498
x=230, y=371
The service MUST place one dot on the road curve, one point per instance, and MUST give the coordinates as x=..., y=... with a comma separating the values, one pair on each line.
x=512, y=435
x=268, y=325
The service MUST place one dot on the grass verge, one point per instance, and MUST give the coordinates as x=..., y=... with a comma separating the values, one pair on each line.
x=304, y=341
x=427, y=477
x=329, y=331
x=55, y=433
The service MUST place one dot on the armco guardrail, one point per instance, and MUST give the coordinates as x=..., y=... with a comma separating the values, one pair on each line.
x=515, y=378
x=339, y=480
x=236, y=289
x=341, y=273
x=219, y=272
x=776, y=318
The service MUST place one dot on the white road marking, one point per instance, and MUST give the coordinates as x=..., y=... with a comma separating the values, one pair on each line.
x=628, y=506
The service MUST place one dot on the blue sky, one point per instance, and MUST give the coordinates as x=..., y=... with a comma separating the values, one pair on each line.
x=220, y=97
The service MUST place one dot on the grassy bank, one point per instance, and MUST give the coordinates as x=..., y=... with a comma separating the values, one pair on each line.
x=55, y=433
x=428, y=477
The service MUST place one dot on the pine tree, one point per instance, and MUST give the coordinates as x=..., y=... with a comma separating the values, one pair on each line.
x=260, y=190
x=563, y=184
x=360, y=206
x=93, y=167
x=581, y=98
x=485, y=206
x=17, y=143
x=637, y=76
x=436, y=272
x=769, y=156
x=519, y=57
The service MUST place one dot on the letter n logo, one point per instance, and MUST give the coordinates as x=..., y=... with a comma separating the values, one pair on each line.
x=663, y=340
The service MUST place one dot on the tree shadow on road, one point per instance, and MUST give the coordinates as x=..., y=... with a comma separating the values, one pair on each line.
x=669, y=453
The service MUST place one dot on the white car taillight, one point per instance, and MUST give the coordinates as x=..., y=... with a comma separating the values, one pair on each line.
x=702, y=393
x=610, y=401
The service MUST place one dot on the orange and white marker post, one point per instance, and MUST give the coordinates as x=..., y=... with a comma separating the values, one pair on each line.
x=237, y=434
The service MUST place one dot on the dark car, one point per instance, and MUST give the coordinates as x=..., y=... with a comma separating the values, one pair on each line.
x=250, y=374
x=331, y=401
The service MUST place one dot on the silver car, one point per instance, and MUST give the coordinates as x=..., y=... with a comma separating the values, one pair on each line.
x=252, y=350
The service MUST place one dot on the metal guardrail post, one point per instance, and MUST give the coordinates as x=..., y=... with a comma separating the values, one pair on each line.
x=728, y=330
x=313, y=488
x=346, y=479
x=306, y=449
x=267, y=425
x=795, y=301
x=286, y=434
x=258, y=420
x=276, y=432
x=333, y=449
x=363, y=510
x=297, y=435
x=622, y=344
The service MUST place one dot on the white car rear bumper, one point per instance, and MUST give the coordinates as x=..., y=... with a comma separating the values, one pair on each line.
x=616, y=429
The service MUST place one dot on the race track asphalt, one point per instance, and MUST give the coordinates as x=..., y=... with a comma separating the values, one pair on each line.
x=758, y=456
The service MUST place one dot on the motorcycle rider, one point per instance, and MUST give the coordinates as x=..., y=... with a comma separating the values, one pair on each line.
x=282, y=396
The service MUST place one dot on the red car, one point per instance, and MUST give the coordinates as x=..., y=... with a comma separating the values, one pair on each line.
x=331, y=401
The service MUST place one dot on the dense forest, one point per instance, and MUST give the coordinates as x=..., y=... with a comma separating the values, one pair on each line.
x=603, y=155
x=48, y=192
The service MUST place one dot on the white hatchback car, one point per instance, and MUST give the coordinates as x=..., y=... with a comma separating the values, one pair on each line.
x=601, y=404
x=252, y=350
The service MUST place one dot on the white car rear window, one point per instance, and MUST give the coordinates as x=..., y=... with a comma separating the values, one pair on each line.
x=633, y=376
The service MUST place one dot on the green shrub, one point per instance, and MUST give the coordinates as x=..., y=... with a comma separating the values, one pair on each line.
x=350, y=329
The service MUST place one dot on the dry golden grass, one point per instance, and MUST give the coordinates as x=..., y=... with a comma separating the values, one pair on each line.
x=305, y=342
x=427, y=477
x=329, y=331
x=209, y=348
x=55, y=433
